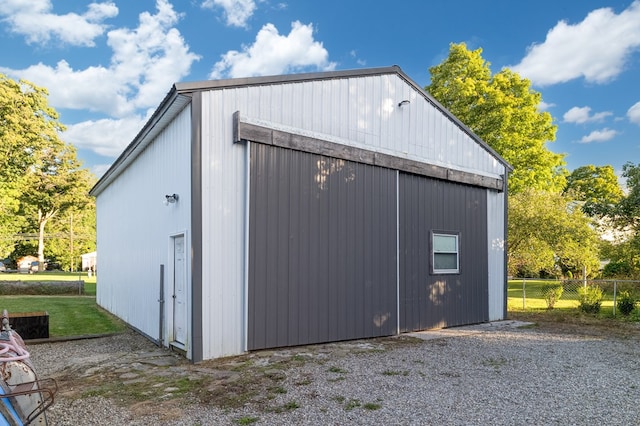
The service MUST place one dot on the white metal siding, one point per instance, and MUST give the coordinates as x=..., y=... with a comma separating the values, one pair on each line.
x=134, y=228
x=363, y=111
x=223, y=233
x=496, y=245
x=358, y=111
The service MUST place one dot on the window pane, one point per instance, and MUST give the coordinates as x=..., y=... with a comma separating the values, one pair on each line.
x=445, y=261
x=446, y=243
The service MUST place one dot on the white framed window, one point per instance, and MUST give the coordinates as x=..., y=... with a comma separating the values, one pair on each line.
x=445, y=253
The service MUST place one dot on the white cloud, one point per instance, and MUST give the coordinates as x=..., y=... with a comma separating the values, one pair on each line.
x=272, y=53
x=581, y=115
x=599, y=136
x=106, y=137
x=150, y=58
x=34, y=20
x=95, y=88
x=359, y=61
x=99, y=169
x=634, y=113
x=543, y=106
x=237, y=12
x=596, y=48
x=146, y=61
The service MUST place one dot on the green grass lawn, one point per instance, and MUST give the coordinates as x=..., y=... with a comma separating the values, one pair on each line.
x=534, y=300
x=68, y=315
x=80, y=315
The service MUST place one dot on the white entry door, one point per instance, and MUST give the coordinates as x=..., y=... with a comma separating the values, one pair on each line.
x=179, y=291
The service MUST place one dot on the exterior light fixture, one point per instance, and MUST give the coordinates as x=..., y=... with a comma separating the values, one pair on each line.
x=170, y=199
x=403, y=103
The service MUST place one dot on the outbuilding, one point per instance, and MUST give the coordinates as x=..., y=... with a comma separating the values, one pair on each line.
x=89, y=261
x=266, y=212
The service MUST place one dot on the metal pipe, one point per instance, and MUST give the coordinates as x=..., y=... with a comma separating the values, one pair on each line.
x=161, y=307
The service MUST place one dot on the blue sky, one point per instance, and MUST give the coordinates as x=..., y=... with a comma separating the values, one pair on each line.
x=108, y=64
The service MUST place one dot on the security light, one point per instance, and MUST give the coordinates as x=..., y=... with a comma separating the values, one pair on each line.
x=170, y=199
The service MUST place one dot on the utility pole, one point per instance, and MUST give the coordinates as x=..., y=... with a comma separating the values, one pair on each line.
x=73, y=262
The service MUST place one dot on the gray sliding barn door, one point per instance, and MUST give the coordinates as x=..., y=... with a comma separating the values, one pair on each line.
x=428, y=299
x=322, y=249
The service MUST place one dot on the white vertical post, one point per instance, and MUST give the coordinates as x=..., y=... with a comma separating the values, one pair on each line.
x=161, y=307
x=615, y=285
x=398, y=251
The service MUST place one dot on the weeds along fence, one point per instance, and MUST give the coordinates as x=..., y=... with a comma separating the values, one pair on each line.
x=533, y=293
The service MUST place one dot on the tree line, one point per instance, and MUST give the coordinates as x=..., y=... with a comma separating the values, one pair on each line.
x=45, y=207
x=559, y=223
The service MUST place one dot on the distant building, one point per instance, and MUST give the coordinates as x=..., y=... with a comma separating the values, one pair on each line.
x=265, y=212
x=89, y=261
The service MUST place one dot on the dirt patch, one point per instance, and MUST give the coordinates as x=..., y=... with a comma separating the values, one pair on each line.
x=579, y=324
x=146, y=379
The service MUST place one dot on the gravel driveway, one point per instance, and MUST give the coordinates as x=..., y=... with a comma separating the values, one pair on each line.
x=495, y=374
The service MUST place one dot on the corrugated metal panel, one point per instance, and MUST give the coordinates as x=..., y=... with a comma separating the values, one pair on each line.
x=322, y=255
x=224, y=186
x=496, y=247
x=364, y=112
x=134, y=226
x=444, y=300
x=168, y=110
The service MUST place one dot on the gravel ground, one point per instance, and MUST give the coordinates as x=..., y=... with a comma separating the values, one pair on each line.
x=496, y=375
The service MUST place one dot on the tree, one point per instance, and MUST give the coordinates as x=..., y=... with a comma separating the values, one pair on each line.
x=548, y=232
x=53, y=185
x=597, y=187
x=502, y=110
x=40, y=176
x=27, y=125
x=10, y=220
x=627, y=211
x=623, y=258
x=71, y=234
x=624, y=254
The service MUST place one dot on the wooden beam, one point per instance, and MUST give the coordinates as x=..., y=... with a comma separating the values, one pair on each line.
x=260, y=134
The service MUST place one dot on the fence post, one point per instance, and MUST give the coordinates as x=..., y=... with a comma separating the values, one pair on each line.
x=524, y=295
x=615, y=286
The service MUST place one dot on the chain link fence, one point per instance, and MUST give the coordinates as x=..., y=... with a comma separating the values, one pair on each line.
x=534, y=294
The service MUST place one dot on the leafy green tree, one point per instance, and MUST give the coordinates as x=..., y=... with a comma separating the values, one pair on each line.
x=623, y=258
x=72, y=234
x=10, y=221
x=27, y=125
x=548, y=233
x=624, y=254
x=502, y=110
x=627, y=211
x=41, y=178
x=50, y=187
x=596, y=186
